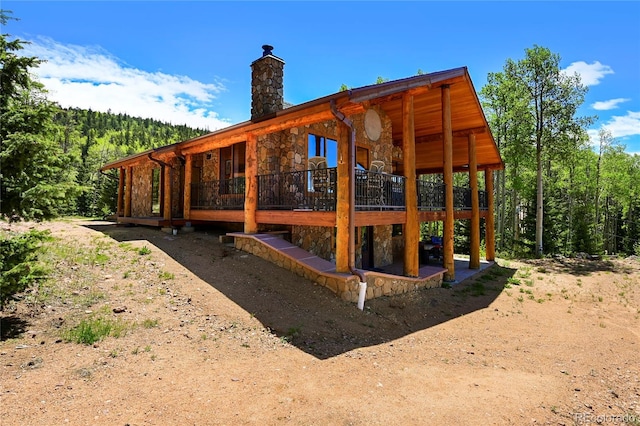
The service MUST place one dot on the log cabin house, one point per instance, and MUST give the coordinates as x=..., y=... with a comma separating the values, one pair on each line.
x=342, y=175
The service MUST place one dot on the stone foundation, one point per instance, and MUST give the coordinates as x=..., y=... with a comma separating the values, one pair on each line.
x=345, y=286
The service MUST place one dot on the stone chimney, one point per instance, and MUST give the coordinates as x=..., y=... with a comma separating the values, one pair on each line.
x=267, y=87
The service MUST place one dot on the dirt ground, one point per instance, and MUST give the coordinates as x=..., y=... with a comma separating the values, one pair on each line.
x=214, y=336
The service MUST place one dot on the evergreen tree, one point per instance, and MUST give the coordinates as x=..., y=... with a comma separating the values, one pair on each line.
x=36, y=182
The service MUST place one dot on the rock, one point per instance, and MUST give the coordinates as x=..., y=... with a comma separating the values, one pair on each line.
x=119, y=309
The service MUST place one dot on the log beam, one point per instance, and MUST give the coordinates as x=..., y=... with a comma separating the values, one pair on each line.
x=251, y=185
x=282, y=121
x=188, y=176
x=342, y=202
x=166, y=191
x=127, y=191
x=412, y=224
x=121, y=177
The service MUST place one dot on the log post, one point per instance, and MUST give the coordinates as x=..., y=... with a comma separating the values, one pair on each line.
x=251, y=185
x=188, y=176
x=121, y=177
x=166, y=191
x=447, y=137
x=490, y=235
x=474, y=243
x=342, y=201
x=127, y=191
x=412, y=224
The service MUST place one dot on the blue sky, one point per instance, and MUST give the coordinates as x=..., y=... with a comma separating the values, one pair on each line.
x=189, y=62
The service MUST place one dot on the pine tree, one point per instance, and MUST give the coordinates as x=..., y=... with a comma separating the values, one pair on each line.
x=36, y=180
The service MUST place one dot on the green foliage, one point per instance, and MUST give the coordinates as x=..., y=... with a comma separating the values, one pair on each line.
x=589, y=199
x=19, y=266
x=90, y=331
x=144, y=250
x=37, y=182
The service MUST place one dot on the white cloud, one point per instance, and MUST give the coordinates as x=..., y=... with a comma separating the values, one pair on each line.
x=88, y=77
x=610, y=104
x=619, y=126
x=590, y=74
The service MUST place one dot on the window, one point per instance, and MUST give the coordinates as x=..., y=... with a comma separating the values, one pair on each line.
x=155, y=191
x=232, y=167
x=319, y=146
x=362, y=158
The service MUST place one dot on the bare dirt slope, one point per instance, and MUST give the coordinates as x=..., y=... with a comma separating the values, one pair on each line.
x=208, y=335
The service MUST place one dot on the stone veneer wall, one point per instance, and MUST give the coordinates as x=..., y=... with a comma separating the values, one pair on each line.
x=209, y=167
x=287, y=151
x=319, y=240
x=382, y=149
x=383, y=245
x=141, y=189
x=345, y=286
x=267, y=86
x=177, y=202
x=379, y=285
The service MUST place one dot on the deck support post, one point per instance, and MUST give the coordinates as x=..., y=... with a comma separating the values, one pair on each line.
x=412, y=224
x=474, y=243
x=447, y=136
x=490, y=234
x=188, y=175
x=251, y=185
x=127, y=191
x=343, y=236
x=121, y=176
x=166, y=191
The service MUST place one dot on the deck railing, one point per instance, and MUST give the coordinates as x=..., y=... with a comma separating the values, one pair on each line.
x=379, y=191
x=316, y=190
x=225, y=194
x=430, y=195
x=298, y=190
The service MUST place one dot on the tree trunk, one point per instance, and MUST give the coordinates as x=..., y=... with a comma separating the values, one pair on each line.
x=539, y=201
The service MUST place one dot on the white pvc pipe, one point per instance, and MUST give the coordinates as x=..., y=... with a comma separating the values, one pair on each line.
x=361, y=295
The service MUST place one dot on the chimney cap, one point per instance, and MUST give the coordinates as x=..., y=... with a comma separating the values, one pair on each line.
x=267, y=50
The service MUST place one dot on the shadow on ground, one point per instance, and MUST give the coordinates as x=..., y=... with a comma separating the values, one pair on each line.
x=577, y=266
x=309, y=316
x=12, y=327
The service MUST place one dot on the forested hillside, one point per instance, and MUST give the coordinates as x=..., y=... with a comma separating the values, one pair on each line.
x=91, y=139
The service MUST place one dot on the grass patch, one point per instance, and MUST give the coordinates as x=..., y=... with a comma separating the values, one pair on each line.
x=150, y=323
x=166, y=275
x=513, y=281
x=90, y=331
x=476, y=289
x=144, y=250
